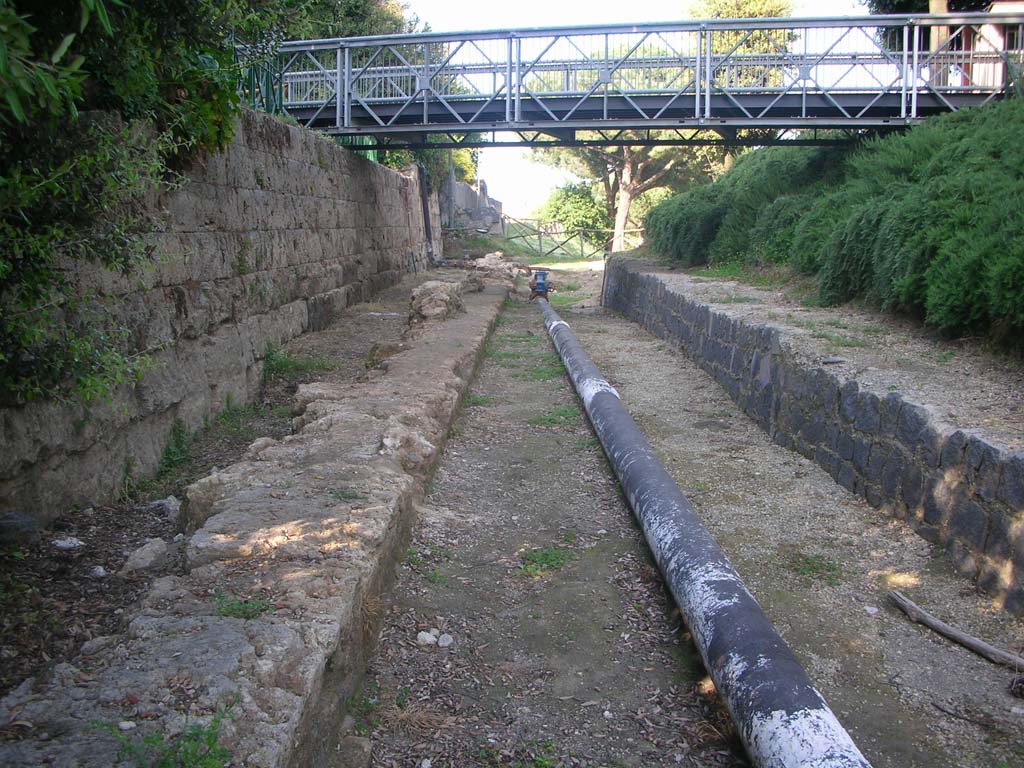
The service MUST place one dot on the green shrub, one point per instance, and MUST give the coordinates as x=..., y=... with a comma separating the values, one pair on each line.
x=771, y=236
x=683, y=226
x=928, y=222
x=575, y=207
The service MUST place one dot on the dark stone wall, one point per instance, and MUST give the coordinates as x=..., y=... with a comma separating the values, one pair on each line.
x=956, y=489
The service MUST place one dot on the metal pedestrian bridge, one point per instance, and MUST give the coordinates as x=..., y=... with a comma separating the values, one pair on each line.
x=667, y=83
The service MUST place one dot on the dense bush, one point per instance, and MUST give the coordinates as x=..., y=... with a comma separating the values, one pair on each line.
x=928, y=222
x=715, y=222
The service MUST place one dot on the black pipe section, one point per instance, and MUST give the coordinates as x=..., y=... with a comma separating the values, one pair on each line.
x=782, y=720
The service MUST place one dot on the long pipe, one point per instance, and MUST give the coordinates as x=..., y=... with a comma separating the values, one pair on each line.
x=782, y=719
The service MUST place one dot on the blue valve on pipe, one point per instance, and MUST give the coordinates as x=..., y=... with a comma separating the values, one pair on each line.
x=539, y=284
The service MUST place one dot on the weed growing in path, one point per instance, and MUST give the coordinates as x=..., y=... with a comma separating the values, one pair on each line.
x=564, y=415
x=474, y=399
x=839, y=339
x=344, y=493
x=538, y=563
x=561, y=300
x=195, y=747
x=815, y=566
x=278, y=363
x=542, y=373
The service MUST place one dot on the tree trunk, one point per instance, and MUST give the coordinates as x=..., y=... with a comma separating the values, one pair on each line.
x=939, y=37
x=621, y=217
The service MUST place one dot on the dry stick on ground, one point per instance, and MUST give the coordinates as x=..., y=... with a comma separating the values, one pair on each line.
x=980, y=647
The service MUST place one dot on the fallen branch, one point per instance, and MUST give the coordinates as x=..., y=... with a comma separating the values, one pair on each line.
x=980, y=647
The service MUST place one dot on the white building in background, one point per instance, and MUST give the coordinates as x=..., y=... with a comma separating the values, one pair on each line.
x=990, y=55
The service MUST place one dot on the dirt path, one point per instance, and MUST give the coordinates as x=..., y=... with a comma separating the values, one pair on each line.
x=565, y=650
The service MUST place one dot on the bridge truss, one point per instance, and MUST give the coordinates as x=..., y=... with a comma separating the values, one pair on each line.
x=674, y=83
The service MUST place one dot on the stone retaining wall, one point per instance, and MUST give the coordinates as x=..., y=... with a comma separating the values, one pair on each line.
x=955, y=488
x=311, y=526
x=267, y=240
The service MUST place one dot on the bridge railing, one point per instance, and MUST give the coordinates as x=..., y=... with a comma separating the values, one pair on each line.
x=695, y=73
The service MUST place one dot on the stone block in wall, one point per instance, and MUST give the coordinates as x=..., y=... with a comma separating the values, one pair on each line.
x=953, y=450
x=889, y=414
x=892, y=476
x=1011, y=483
x=983, y=467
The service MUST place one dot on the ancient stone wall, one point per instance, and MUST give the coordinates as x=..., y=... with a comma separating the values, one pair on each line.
x=956, y=488
x=468, y=206
x=268, y=239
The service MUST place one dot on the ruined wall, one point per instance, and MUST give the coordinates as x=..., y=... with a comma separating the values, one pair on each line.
x=954, y=487
x=268, y=239
x=468, y=206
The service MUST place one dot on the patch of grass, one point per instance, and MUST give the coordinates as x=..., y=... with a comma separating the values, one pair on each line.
x=560, y=300
x=479, y=400
x=587, y=442
x=944, y=356
x=569, y=287
x=514, y=337
x=872, y=329
x=839, y=339
x=402, y=697
x=570, y=537
x=344, y=493
x=699, y=486
x=279, y=364
x=363, y=706
x=731, y=299
x=491, y=352
x=413, y=558
x=436, y=577
x=815, y=566
x=543, y=373
x=741, y=272
x=177, y=452
x=195, y=747
x=237, y=419
x=233, y=607
x=567, y=414
x=537, y=563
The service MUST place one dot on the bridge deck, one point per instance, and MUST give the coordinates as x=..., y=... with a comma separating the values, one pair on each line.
x=721, y=75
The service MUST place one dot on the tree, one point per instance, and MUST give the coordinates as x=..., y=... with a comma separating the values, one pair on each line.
x=739, y=9
x=574, y=206
x=624, y=173
x=767, y=41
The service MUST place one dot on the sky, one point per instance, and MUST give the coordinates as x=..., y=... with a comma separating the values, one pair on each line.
x=521, y=185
